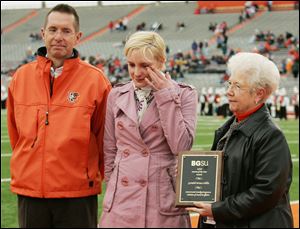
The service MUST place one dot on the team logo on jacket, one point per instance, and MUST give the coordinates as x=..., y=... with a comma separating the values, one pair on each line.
x=73, y=97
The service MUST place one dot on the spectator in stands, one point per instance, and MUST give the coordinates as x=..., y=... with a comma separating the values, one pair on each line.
x=111, y=26
x=212, y=26
x=30, y=56
x=167, y=50
x=295, y=68
x=210, y=101
x=289, y=65
x=269, y=5
x=194, y=47
x=120, y=26
x=257, y=171
x=225, y=105
x=203, y=101
x=205, y=48
x=125, y=22
x=259, y=35
x=283, y=102
x=156, y=26
x=280, y=41
x=148, y=120
x=55, y=118
x=241, y=17
x=141, y=27
x=35, y=37
x=180, y=26
x=283, y=66
x=270, y=103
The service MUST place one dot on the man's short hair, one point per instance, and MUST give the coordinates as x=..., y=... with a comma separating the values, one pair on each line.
x=64, y=8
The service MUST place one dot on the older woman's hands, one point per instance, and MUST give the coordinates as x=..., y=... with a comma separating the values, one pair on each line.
x=158, y=80
x=201, y=208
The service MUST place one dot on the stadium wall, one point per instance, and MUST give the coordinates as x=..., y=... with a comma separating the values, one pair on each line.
x=237, y=6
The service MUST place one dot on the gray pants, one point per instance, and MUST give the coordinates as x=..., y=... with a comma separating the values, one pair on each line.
x=58, y=212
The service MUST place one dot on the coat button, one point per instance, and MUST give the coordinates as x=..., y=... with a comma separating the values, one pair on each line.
x=124, y=181
x=154, y=128
x=143, y=183
x=126, y=153
x=177, y=99
x=120, y=125
x=145, y=153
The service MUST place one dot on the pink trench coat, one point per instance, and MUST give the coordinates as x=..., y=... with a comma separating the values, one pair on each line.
x=140, y=159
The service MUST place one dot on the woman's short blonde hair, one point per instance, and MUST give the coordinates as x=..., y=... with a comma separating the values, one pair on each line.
x=149, y=43
x=258, y=70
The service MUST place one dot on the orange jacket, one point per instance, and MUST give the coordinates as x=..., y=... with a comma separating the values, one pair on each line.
x=57, y=141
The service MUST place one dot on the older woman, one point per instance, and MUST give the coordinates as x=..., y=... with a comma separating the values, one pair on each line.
x=257, y=163
x=148, y=121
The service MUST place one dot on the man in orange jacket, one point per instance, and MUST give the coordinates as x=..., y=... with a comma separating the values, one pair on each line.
x=56, y=108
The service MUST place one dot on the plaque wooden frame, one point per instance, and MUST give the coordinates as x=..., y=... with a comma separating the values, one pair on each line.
x=196, y=180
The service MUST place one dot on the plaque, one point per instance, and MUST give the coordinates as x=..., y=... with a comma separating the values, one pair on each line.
x=199, y=177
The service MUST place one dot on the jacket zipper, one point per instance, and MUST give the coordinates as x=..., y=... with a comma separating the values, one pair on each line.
x=47, y=121
x=49, y=93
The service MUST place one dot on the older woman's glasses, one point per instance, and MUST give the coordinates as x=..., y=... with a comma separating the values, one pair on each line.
x=236, y=87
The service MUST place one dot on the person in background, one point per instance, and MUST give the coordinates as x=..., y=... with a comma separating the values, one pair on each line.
x=149, y=120
x=257, y=171
x=55, y=117
x=295, y=101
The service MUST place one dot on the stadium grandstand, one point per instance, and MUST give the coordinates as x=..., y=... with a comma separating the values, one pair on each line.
x=200, y=36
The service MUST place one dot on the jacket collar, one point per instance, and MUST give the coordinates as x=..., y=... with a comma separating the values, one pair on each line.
x=68, y=63
x=42, y=51
x=253, y=122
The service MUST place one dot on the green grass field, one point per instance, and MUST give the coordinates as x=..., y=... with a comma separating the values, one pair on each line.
x=204, y=137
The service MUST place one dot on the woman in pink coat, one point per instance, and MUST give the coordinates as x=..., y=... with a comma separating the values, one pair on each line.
x=148, y=121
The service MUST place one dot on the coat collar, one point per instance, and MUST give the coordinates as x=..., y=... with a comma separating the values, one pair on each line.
x=253, y=122
x=126, y=101
x=151, y=115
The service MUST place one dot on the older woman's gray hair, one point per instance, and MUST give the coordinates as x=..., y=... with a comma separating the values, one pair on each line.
x=258, y=71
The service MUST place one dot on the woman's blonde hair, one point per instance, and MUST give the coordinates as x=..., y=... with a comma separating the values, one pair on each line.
x=149, y=43
x=258, y=70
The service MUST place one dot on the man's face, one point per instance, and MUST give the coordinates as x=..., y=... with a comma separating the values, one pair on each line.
x=60, y=35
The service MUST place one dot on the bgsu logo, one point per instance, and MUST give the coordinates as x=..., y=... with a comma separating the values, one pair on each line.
x=73, y=97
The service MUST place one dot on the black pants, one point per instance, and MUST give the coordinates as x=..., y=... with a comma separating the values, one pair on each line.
x=296, y=109
x=58, y=212
x=282, y=113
